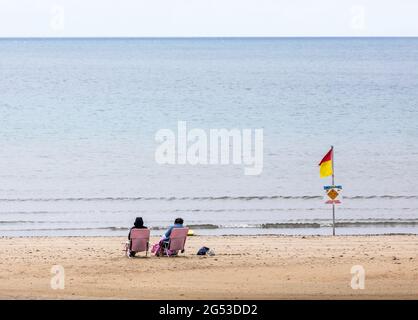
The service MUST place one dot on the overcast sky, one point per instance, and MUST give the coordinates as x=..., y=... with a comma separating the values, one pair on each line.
x=191, y=18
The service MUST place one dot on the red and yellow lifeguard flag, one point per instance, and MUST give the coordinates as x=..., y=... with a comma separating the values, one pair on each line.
x=325, y=166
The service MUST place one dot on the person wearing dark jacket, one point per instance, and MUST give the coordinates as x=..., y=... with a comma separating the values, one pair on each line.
x=138, y=224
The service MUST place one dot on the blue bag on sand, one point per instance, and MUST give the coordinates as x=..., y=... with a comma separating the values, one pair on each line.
x=202, y=251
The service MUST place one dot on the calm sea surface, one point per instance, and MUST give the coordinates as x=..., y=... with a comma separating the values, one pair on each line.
x=78, y=120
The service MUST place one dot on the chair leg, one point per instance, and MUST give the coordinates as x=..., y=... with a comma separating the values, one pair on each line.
x=128, y=248
x=166, y=250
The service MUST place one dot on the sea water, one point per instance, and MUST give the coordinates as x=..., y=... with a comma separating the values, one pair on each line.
x=78, y=119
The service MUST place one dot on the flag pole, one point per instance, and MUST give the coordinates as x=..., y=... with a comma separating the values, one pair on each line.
x=333, y=204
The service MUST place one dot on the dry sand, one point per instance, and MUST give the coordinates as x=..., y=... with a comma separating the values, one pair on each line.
x=244, y=267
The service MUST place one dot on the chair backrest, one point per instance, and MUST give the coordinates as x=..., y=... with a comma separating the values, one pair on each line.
x=178, y=238
x=139, y=239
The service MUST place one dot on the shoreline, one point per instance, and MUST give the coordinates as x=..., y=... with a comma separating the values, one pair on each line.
x=223, y=235
x=244, y=267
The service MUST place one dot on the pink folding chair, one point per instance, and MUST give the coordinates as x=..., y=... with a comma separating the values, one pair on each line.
x=177, y=240
x=139, y=241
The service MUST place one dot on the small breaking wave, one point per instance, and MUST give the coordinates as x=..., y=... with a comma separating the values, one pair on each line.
x=156, y=198
x=268, y=225
x=289, y=225
x=204, y=198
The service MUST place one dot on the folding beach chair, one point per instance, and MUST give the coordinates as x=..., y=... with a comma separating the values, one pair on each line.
x=176, y=242
x=139, y=241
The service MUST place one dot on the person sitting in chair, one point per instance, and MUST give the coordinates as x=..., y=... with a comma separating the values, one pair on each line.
x=178, y=223
x=138, y=224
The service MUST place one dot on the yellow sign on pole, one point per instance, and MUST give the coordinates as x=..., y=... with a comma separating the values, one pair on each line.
x=333, y=194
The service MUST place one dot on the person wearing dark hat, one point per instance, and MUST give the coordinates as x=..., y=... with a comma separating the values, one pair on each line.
x=138, y=224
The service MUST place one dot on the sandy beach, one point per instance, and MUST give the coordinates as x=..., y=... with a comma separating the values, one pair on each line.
x=244, y=267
